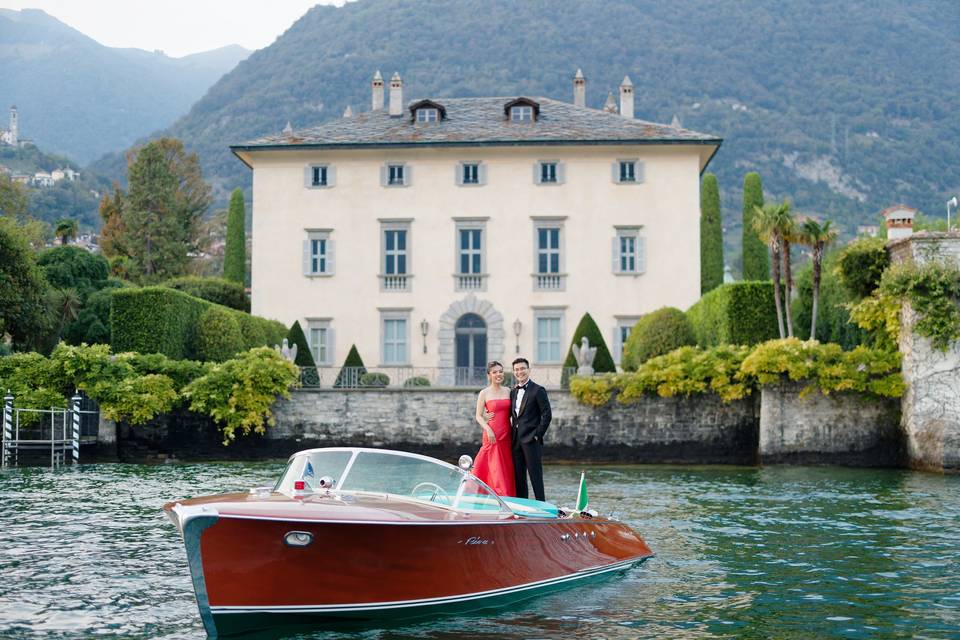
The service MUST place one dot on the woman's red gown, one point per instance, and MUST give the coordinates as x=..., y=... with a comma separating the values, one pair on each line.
x=494, y=461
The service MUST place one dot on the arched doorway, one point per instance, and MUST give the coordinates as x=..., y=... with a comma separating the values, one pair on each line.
x=470, y=344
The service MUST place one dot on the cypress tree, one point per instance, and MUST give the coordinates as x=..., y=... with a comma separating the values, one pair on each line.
x=235, y=254
x=296, y=337
x=602, y=361
x=711, y=235
x=756, y=262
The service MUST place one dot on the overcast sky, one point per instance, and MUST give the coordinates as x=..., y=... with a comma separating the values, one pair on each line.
x=177, y=27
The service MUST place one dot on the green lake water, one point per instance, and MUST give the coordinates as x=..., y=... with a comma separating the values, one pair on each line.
x=776, y=552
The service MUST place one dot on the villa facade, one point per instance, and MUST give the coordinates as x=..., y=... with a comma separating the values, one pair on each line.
x=439, y=234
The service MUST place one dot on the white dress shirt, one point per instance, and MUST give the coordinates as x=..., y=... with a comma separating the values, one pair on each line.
x=516, y=406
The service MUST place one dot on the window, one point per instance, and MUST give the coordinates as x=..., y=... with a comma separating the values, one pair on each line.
x=395, y=251
x=395, y=174
x=549, y=172
x=320, y=340
x=627, y=171
x=629, y=251
x=428, y=114
x=620, y=335
x=394, y=347
x=521, y=113
x=469, y=275
x=470, y=251
x=318, y=253
x=318, y=176
x=548, y=255
x=548, y=250
x=471, y=173
x=549, y=331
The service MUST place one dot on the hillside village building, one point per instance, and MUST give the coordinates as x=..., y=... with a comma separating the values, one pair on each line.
x=439, y=234
x=11, y=136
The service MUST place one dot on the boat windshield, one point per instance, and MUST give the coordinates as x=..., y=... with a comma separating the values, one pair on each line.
x=392, y=473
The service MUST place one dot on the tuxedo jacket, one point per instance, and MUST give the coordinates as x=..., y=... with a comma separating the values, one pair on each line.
x=534, y=418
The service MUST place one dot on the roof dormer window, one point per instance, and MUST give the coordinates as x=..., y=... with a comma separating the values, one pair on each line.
x=428, y=114
x=521, y=113
x=522, y=110
x=424, y=111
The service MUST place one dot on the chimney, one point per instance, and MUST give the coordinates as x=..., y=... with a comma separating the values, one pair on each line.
x=396, y=95
x=377, y=91
x=288, y=130
x=899, y=220
x=610, y=106
x=579, y=89
x=626, y=98
x=348, y=112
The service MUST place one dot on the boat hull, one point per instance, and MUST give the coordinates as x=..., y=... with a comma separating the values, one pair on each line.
x=354, y=572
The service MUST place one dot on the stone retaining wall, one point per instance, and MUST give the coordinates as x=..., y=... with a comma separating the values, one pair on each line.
x=840, y=428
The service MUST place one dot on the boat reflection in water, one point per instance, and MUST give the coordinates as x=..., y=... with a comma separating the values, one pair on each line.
x=363, y=536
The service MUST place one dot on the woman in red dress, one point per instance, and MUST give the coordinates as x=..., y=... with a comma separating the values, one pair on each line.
x=494, y=462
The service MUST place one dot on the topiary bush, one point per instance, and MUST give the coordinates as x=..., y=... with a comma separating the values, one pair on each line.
x=352, y=370
x=655, y=334
x=861, y=265
x=417, y=381
x=218, y=335
x=735, y=313
x=602, y=361
x=309, y=376
x=378, y=380
x=215, y=290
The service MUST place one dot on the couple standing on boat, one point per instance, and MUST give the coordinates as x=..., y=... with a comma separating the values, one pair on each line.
x=514, y=422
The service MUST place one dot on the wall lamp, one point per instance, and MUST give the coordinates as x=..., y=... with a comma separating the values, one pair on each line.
x=517, y=326
x=424, y=328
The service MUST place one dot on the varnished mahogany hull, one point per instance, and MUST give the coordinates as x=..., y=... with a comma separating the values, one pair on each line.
x=359, y=570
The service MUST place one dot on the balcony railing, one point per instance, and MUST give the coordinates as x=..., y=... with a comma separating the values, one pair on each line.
x=549, y=281
x=470, y=281
x=551, y=377
x=395, y=282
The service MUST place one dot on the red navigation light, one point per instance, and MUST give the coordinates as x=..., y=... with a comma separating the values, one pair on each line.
x=299, y=485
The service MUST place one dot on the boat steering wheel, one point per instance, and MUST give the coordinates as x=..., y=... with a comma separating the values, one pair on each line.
x=437, y=490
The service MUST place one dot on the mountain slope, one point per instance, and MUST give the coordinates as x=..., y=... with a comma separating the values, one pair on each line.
x=79, y=98
x=843, y=107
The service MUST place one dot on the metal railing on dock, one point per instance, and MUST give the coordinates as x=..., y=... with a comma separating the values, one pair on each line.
x=28, y=434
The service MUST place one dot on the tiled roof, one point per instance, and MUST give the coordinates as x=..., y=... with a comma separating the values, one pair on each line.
x=481, y=121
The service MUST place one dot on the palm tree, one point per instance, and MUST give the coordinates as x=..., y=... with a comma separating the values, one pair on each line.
x=768, y=222
x=789, y=235
x=817, y=237
x=66, y=230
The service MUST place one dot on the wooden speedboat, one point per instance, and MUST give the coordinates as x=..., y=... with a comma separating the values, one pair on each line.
x=358, y=535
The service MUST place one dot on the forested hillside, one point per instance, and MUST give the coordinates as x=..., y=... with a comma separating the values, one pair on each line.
x=843, y=107
x=81, y=99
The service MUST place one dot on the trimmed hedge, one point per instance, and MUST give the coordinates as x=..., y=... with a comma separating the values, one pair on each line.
x=218, y=335
x=602, y=361
x=655, y=334
x=216, y=290
x=735, y=313
x=164, y=320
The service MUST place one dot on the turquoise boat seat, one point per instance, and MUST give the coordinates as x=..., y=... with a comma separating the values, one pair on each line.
x=531, y=508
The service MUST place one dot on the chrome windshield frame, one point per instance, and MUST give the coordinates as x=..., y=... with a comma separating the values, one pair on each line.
x=356, y=451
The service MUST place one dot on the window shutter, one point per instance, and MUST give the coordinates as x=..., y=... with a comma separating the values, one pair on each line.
x=640, y=171
x=615, y=172
x=536, y=173
x=306, y=257
x=331, y=342
x=407, y=175
x=331, y=256
x=308, y=176
x=482, y=173
x=383, y=175
x=641, y=254
x=561, y=172
x=615, y=254
x=331, y=175
x=458, y=174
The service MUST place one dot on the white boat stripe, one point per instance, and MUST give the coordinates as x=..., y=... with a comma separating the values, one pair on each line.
x=373, y=606
x=431, y=523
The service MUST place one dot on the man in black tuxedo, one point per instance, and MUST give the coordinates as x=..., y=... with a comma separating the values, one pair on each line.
x=530, y=418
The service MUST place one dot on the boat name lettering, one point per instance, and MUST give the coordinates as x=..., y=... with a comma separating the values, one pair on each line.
x=476, y=540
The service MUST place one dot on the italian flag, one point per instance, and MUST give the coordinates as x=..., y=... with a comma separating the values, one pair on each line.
x=582, y=499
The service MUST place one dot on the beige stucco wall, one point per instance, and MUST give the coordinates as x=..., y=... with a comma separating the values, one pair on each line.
x=666, y=205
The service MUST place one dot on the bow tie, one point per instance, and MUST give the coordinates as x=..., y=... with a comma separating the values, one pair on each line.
x=521, y=386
